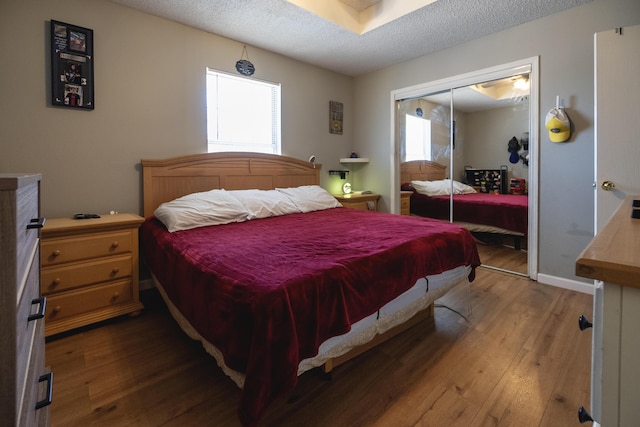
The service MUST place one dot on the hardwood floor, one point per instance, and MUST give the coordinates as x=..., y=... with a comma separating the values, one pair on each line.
x=498, y=251
x=519, y=360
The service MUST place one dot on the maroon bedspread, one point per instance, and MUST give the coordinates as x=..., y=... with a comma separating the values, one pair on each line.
x=507, y=211
x=268, y=292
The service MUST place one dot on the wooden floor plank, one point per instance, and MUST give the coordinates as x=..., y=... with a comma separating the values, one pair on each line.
x=517, y=359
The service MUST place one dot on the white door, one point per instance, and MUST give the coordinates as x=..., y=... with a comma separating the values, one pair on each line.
x=617, y=173
x=617, y=99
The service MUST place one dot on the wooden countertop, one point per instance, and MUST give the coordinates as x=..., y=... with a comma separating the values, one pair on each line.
x=614, y=254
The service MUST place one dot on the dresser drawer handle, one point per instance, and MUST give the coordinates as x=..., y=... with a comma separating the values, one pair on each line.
x=43, y=307
x=583, y=415
x=116, y=295
x=48, y=398
x=115, y=271
x=56, y=309
x=36, y=223
x=115, y=245
x=584, y=323
x=55, y=253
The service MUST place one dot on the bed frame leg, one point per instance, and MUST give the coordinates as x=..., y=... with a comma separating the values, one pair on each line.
x=516, y=243
x=327, y=370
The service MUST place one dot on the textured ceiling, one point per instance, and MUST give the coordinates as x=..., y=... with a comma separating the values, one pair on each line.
x=280, y=26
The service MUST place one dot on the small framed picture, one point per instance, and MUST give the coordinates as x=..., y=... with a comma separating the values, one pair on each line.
x=335, y=117
x=71, y=66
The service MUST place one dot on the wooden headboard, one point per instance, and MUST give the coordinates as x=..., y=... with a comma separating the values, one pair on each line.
x=164, y=180
x=421, y=170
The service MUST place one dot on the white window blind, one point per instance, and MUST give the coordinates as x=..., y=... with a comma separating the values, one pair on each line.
x=417, y=138
x=242, y=114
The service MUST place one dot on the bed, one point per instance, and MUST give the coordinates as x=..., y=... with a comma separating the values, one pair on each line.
x=480, y=212
x=275, y=296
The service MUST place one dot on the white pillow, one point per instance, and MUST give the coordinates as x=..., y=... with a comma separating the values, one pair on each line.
x=213, y=207
x=460, y=188
x=265, y=203
x=432, y=188
x=310, y=198
x=441, y=187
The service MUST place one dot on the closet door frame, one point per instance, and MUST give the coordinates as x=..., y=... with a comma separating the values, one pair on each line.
x=525, y=66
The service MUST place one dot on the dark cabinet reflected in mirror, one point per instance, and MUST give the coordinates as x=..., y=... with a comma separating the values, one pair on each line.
x=464, y=156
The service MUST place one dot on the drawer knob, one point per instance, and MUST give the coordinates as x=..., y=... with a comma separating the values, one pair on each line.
x=56, y=253
x=56, y=309
x=115, y=271
x=116, y=295
x=115, y=244
x=56, y=282
x=584, y=323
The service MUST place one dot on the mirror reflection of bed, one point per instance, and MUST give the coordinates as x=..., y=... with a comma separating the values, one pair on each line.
x=473, y=136
x=497, y=220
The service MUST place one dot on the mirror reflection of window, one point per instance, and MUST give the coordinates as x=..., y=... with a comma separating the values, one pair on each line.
x=417, y=138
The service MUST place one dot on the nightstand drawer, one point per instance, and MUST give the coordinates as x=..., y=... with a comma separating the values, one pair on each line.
x=405, y=205
x=58, y=251
x=405, y=202
x=67, y=304
x=363, y=202
x=363, y=206
x=65, y=277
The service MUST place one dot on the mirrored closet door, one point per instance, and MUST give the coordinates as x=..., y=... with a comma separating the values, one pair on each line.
x=464, y=152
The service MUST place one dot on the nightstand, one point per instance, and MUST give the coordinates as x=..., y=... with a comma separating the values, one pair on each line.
x=364, y=202
x=89, y=270
x=405, y=202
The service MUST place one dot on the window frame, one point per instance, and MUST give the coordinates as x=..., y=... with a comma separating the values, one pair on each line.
x=220, y=145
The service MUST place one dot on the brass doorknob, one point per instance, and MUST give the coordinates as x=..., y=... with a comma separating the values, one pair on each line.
x=608, y=185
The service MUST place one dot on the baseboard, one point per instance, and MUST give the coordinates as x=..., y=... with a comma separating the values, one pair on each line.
x=574, y=285
x=146, y=284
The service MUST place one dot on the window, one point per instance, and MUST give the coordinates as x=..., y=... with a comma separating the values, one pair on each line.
x=417, y=138
x=242, y=114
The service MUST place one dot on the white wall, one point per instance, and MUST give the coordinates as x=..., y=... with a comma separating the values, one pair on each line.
x=564, y=43
x=149, y=102
x=486, y=135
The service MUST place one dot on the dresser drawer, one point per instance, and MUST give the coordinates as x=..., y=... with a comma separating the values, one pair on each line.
x=60, y=278
x=35, y=390
x=58, y=251
x=68, y=304
x=26, y=339
x=26, y=238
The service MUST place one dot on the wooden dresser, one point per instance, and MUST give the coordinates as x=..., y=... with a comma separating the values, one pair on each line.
x=89, y=270
x=364, y=202
x=25, y=386
x=612, y=259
